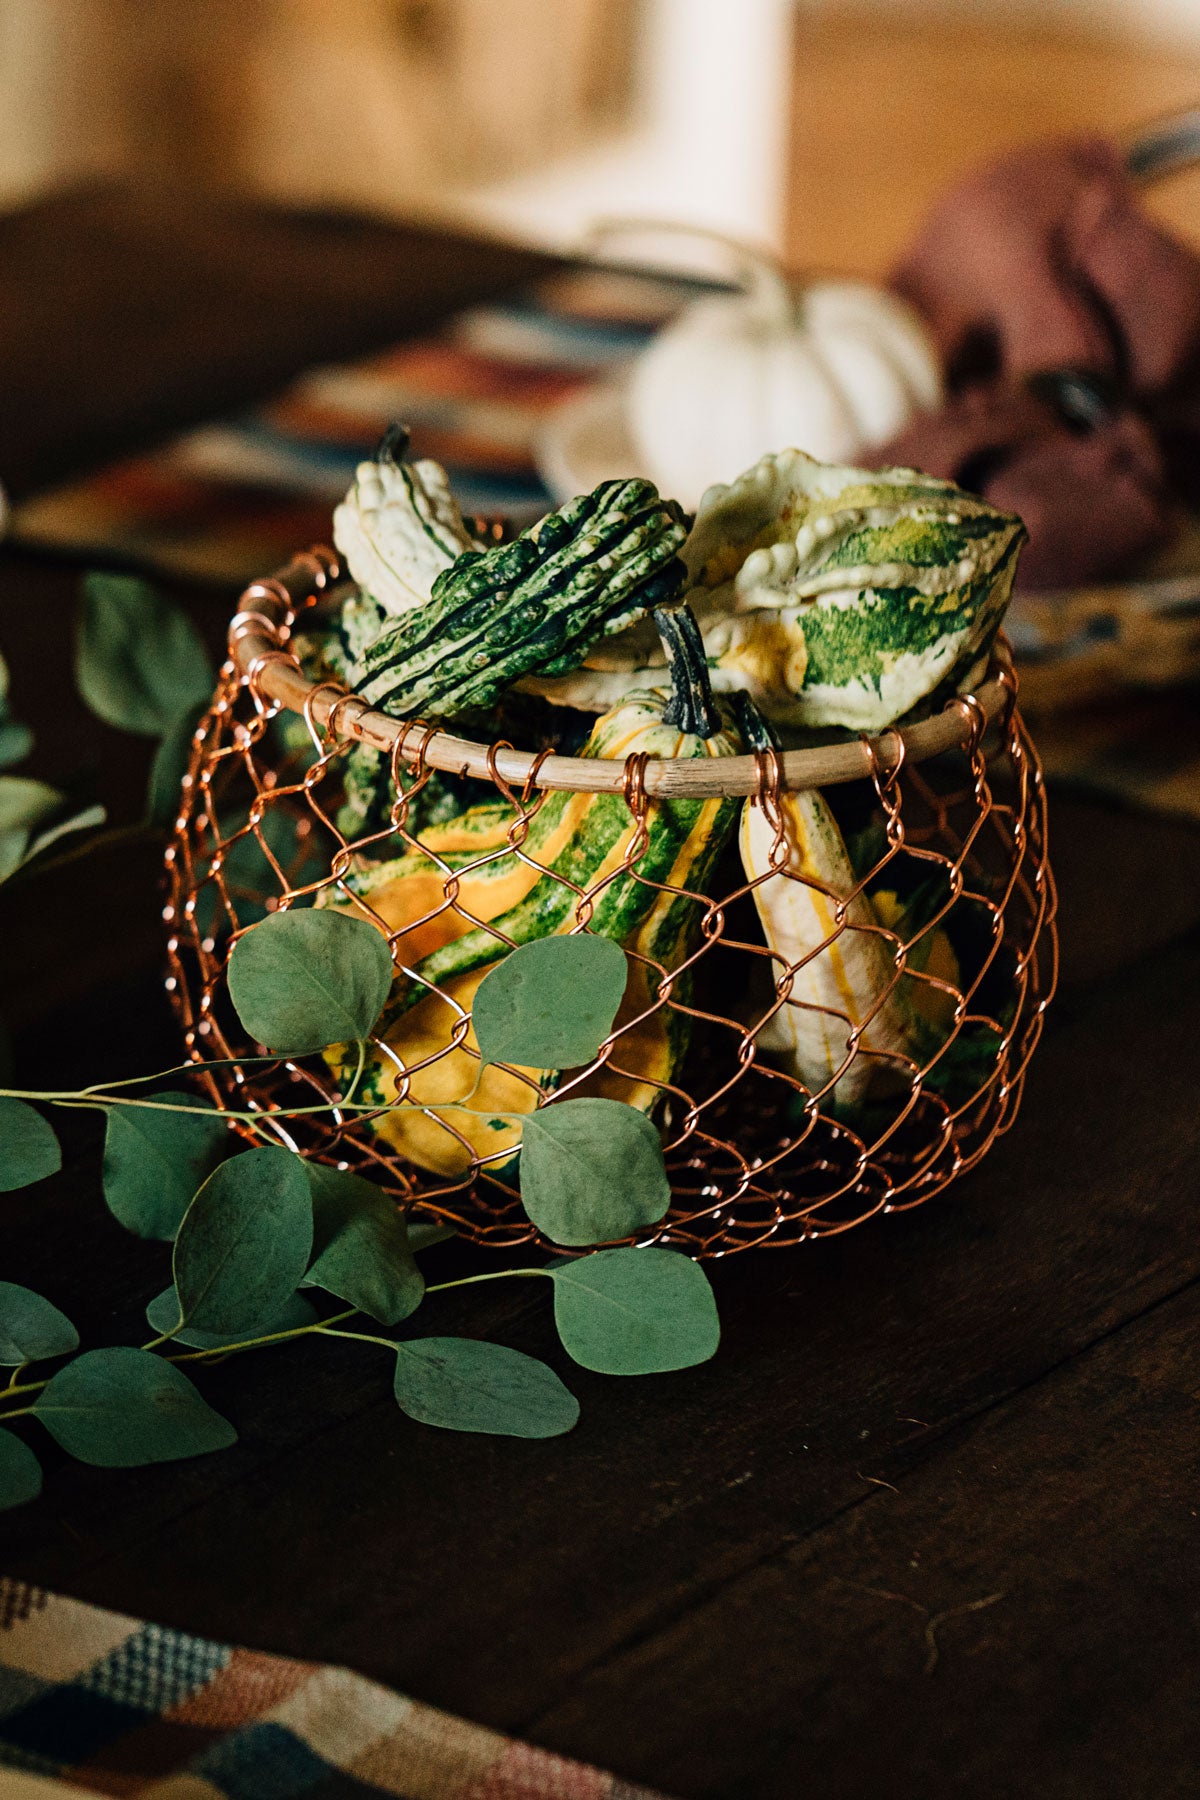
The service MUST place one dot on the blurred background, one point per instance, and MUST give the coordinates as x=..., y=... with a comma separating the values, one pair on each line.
x=819, y=129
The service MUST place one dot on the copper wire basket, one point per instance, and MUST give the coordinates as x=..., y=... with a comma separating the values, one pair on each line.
x=754, y=1156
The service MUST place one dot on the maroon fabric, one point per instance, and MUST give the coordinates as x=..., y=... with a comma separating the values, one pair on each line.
x=1045, y=260
x=1093, y=502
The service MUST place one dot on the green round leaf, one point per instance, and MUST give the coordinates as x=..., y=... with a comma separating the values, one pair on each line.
x=155, y=1161
x=244, y=1243
x=465, y=1385
x=162, y=1315
x=305, y=979
x=16, y=741
x=28, y=1147
x=170, y=765
x=25, y=805
x=123, y=1408
x=20, y=1472
x=360, y=1244
x=31, y=1328
x=140, y=663
x=635, y=1312
x=592, y=1170
x=551, y=1003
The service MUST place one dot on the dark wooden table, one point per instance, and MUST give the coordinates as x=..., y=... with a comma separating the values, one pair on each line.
x=929, y=1524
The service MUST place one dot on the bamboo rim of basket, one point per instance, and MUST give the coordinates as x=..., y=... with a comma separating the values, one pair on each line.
x=261, y=628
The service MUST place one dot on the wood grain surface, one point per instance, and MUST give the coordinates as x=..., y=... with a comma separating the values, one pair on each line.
x=926, y=1526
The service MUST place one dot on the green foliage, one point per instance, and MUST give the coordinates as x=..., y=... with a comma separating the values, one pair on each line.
x=20, y=1472
x=303, y=980
x=170, y=765
x=635, y=1312
x=123, y=1408
x=31, y=1328
x=162, y=1315
x=465, y=1385
x=360, y=1246
x=155, y=1161
x=551, y=1003
x=16, y=741
x=244, y=1243
x=28, y=1147
x=592, y=1169
x=31, y=819
x=140, y=663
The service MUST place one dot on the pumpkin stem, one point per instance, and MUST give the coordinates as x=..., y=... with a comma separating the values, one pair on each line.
x=691, y=706
x=756, y=732
x=393, y=445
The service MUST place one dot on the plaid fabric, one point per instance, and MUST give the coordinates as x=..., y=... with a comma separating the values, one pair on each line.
x=94, y=1703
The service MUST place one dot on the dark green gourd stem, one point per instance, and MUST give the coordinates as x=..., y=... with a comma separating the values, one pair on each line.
x=393, y=445
x=756, y=732
x=691, y=706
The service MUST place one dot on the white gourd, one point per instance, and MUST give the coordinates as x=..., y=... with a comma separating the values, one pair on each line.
x=832, y=367
x=399, y=527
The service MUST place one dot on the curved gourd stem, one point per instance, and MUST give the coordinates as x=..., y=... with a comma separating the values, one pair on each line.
x=756, y=271
x=691, y=706
x=393, y=445
x=756, y=732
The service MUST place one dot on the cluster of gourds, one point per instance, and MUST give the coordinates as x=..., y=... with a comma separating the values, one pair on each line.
x=804, y=594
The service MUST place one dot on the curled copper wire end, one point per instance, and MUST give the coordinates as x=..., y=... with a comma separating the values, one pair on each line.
x=635, y=783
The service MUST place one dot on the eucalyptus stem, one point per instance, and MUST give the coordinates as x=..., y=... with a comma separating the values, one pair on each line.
x=442, y=1287
x=361, y=1337
x=97, y=1100
x=273, y=1337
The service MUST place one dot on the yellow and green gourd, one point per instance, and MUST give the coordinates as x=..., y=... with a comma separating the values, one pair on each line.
x=855, y=1019
x=582, y=840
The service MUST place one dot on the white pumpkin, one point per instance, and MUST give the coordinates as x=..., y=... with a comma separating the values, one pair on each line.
x=830, y=367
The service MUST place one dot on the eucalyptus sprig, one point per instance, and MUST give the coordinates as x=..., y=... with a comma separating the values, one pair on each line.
x=256, y=1234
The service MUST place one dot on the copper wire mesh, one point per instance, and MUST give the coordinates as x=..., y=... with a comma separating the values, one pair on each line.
x=755, y=1156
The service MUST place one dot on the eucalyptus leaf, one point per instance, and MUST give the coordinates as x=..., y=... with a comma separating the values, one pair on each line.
x=244, y=1243
x=155, y=1161
x=551, y=1003
x=31, y=1327
x=635, y=1312
x=28, y=1147
x=465, y=1385
x=84, y=820
x=360, y=1245
x=140, y=663
x=123, y=1408
x=25, y=805
x=170, y=765
x=16, y=741
x=20, y=1472
x=302, y=980
x=592, y=1169
x=248, y=876
x=162, y=1315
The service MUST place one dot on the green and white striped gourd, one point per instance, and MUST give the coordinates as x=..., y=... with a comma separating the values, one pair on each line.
x=538, y=603
x=399, y=527
x=834, y=596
